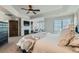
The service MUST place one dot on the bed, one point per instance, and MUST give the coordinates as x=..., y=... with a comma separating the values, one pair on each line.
x=45, y=42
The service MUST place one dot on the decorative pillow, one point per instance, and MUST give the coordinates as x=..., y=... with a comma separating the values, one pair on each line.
x=65, y=38
x=74, y=42
x=28, y=44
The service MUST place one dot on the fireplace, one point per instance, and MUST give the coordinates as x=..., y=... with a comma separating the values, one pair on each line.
x=26, y=32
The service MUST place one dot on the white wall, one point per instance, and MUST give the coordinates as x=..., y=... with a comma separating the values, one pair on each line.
x=49, y=22
x=49, y=25
x=3, y=17
x=22, y=25
x=59, y=13
x=36, y=24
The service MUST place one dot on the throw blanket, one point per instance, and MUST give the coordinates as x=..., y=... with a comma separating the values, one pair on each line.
x=26, y=43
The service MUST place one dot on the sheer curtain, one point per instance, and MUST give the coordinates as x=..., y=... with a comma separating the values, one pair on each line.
x=61, y=22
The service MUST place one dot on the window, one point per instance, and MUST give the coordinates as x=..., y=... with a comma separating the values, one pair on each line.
x=61, y=24
x=66, y=22
x=3, y=26
x=57, y=25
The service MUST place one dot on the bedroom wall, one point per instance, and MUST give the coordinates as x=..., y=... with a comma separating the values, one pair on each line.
x=36, y=24
x=3, y=17
x=71, y=10
x=22, y=25
x=49, y=26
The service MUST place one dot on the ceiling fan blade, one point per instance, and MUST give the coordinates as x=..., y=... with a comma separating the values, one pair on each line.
x=24, y=9
x=34, y=12
x=9, y=14
x=30, y=9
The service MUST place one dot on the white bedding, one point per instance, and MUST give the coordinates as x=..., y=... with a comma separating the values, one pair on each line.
x=52, y=38
x=36, y=36
x=48, y=42
x=49, y=37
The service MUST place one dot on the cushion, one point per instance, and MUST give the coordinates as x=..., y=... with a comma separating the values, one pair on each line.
x=28, y=44
x=23, y=39
x=66, y=37
x=74, y=42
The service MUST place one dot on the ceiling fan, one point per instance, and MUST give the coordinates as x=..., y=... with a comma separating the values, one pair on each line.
x=31, y=9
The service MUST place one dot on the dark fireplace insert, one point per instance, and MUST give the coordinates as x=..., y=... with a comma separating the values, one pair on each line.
x=26, y=32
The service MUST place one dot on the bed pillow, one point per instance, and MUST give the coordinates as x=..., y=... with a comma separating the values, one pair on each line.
x=65, y=38
x=74, y=42
x=67, y=35
x=28, y=45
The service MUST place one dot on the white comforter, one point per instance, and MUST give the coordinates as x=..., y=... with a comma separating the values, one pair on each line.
x=52, y=38
x=47, y=43
x=25, y=38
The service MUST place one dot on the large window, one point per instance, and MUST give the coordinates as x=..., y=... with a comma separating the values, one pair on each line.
x=60, y=24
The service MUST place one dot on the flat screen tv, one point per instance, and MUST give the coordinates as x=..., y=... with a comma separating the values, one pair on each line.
x=26, y=23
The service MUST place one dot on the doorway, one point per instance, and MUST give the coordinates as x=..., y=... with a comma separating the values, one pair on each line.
x=13, y=28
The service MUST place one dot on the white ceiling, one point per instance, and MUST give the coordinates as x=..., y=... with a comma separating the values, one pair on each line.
x=45, y=10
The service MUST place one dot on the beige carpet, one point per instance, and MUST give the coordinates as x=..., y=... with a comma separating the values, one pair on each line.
x=10, y=47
